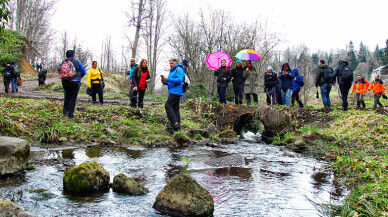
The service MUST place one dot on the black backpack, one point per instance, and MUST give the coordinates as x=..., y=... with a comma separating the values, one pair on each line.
x=327, y=74
x=347, y=74
x=7, y=72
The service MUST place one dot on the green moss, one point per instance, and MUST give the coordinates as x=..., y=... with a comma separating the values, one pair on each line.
x=22, y=153
x=228, y=134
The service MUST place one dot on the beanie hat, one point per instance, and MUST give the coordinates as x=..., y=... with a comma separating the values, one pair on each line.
x=133, y=59
x=270, y=67
x=70, y=53
x=13, y=63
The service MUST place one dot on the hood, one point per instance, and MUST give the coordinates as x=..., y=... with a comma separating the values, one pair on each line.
x=323, y=66
x=296, y=71
x=286, y=64
x=270, y=67
x=175, y=67
x=185, y=61
x=343, y=63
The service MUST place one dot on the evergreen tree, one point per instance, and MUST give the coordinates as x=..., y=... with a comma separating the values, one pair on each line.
x=362, y=54
x=385, y=54
x=351, y=56
x=378, y=54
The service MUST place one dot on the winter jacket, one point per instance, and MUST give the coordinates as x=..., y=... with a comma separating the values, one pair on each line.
x=136, y=77
x=297, y=81
x=319, y=81
x=286, y=80
x=80, y=69
x=377, y=86
x=94, y=76
x=185, y=67
x=360, y=86
x=238, y=77
x=129, y=73
x=42, y=75
x=16, y=71
x=222, y=73
x=270, y=80
x=338, y=72
x=8, y=72
x=251, y=80
x=175, y=79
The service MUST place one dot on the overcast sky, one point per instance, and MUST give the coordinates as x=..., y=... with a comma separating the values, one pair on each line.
x=324, y=25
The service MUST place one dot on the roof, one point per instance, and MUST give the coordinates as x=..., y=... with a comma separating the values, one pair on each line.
x=381, y=68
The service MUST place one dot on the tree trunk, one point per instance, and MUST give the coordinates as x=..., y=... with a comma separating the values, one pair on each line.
x=138, y=26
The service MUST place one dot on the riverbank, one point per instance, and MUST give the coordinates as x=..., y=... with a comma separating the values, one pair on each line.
x=357, y=154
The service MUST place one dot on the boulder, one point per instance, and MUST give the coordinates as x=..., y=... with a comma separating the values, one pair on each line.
x=297, y=146
x=9, y=208
x=128, y=185
x=85, y=178
x=275, y=120
x=14, y=153
x=201, y=132
x=183, y=196
x=211, y=128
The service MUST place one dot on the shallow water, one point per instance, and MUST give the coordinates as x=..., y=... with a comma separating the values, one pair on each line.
x=268, y=184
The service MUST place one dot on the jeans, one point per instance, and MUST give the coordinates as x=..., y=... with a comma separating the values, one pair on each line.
x=221, y=94
x=377, y=101
x=138, y=100
x=14, y=84
x=172, y=109
x=238, y=95
x=7, y=81
x=295, y=96
x=325, y=94
x=344, y=89
x=71, y=92
x=286, y=96
x=97, y=89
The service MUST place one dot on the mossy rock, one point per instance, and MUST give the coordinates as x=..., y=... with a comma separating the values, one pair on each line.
x=9, y=208
x=14, y=153
x=227, y=134
x=275, y=120
x=127, y=185
x=86, y=178
x=183, y=196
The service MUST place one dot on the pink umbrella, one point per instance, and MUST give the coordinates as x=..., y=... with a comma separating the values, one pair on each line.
x=213, y=60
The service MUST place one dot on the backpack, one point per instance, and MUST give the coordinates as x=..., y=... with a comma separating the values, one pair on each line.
x=7, y=73
x=327, y=74
x=186, y=83
x=67, y=70
x=347, y=75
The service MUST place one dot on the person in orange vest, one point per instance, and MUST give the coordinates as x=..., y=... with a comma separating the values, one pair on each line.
x=360, y=86
x=378, y=89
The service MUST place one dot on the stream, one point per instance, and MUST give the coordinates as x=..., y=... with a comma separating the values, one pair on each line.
x=271, y=182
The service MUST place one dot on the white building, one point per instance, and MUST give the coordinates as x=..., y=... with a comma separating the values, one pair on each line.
x=383, y=72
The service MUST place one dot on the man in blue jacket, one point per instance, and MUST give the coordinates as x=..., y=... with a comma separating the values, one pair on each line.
x=175, y=91
x=129, y=73
x=297, y=82
x=72, y=86
x=286, y=76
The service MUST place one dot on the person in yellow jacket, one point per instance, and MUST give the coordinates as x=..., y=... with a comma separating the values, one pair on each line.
x=360, y=86
x=378, y=89
x=95, y=83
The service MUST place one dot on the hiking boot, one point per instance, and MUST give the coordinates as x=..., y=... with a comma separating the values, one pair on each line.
x=169, y=126
x=176, y=126
x=71, y=116
x=17, y=89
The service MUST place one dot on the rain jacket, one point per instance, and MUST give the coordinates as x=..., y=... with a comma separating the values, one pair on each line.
x=136, y=78
x=131, y=71
x=377, y=86
x=319, y=75
x=175, y=79
x=270, y=80
x=238, y=77
x=297, y=81
x=94, y=76
x=251, y=80
x=361, y=86
x=223, y=73
x=286, y=80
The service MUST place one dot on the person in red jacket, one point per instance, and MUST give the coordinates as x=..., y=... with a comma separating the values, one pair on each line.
x=360, y=86
x=378, y=89
x=140, y=79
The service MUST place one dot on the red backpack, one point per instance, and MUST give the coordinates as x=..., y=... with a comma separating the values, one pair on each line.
x=67, y=70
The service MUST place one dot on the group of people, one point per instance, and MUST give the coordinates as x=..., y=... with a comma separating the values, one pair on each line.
x=11, y=74
x=283, y=88
x=278, y=87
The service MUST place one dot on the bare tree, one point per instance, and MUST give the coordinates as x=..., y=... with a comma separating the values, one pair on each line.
x=136, y=20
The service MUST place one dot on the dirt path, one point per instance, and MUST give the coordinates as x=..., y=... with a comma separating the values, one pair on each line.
x=25, y=91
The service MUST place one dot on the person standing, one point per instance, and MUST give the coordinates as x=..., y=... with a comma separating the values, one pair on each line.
x=140, y=78
x=95, y=83
x=14, y=76
x=71, y=83
x=297, y=83
x=238, y=82
x=250, y=85
x=175, y=91
x=271, y=82
x=129, y=73
x=42, y=77
x=185, y=67
x=286, y=78
x=378, y=90
x=7, y=73
x=344, y=75
x=360, y=86
x=223, y=77
x=324, y=80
